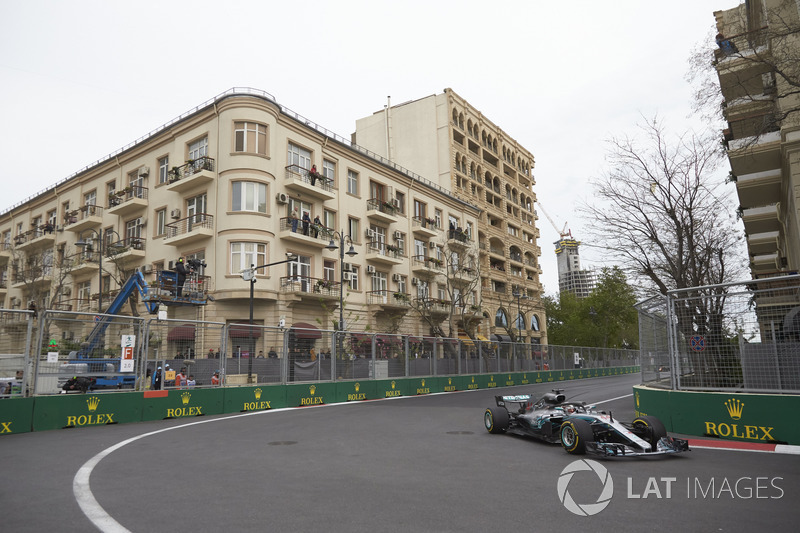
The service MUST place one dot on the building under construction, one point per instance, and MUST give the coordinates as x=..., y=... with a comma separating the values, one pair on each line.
x=571, y=277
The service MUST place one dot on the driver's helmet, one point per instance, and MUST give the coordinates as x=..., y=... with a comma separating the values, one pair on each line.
x=570, y=409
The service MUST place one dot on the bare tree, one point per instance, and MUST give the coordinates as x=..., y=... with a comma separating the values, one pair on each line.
x=661, y=212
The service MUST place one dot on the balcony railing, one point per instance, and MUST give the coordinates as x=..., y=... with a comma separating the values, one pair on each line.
x=427, y=262
x=191, y=167
x=374, y=204
x=189, y=224
x=82, y=213
x=127, y=194
x=309, y=285
x=315, y=179
x=459, y=236
x=315, y=231
x=35, y=233
x=387, y=297
x=425, y=223
x=388, y=250
x=434, y=305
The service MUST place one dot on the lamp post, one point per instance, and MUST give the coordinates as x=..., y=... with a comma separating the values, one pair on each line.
x=98, y=234
x=351, y=252
x=249, y=274
x=519, y=296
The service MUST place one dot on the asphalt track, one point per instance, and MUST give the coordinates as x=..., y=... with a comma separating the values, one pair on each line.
x=408, y=464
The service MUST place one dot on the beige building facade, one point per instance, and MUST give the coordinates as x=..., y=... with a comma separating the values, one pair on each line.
x=758, y=64
x=219, y=185
x=444, y=137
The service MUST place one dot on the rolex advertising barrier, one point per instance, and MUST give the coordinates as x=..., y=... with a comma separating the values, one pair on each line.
x=64, y=369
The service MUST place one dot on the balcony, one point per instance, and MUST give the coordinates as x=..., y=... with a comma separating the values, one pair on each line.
x=760, y=188
x=191, y=229
x=308, y=287
x=426, y=266
x=765, y=262
x=434, y=306
x=386, y=254
x=77, y=305
x=40, y=237
x=389, y=300
x=84, y=263
x=313, y=235
x=426, y=227
x=755, y=154
x=126, y=249
x=192, y=174
x=32, y=277
x=315, y=185
x=761, y=219
x=456, y=238
x=3, y=286
x=127, y=201
x=83, y=218
x=381, y=211
x=763, y=243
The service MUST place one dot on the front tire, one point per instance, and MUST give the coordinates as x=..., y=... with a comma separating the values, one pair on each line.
x=575, y=433
x=650, y=429
x=496, y=420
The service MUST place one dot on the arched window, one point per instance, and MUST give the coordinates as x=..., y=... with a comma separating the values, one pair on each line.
x=534, y=323
x=520, y=322
x=501, y=318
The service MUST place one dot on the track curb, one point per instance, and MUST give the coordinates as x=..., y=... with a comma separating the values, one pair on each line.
x=744, y=446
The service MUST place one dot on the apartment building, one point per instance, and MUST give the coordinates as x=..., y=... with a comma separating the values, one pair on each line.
x=445, y=138
x=220, y=187
x=571, y=276
x=758, y=64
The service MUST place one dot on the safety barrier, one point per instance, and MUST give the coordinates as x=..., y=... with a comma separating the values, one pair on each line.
x=728, y=416
x=74, y=410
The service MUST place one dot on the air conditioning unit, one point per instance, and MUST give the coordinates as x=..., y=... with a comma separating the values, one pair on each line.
x=414, y=281
x=282, y=198
x=396, y=203
x=175, y=213
x=147, y=269
x=432, y=245
x=347, y=267
x=398, y=235
x=368, y=233
x=397, y=277
x=171, y=265
x=370, y=269
x=144, y=172
x=347, y=276
x=66, y=291
x=67, y=335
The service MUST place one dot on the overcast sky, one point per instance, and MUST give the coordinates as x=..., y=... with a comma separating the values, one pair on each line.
x=82, y=79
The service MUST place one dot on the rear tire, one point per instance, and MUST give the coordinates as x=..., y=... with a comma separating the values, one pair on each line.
x=575, y=433
x=650, y=428
x=496, y=420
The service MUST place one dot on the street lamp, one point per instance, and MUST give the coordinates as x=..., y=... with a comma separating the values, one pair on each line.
x=249, y=274
x=351, y=252
x=519, y=296
x=98, y=234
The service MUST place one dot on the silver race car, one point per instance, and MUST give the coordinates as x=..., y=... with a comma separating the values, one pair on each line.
x=580, y=428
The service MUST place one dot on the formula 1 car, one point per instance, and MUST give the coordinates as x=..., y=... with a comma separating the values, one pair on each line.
x=580, y=428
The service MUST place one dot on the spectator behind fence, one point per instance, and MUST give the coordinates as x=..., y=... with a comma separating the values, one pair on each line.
x=272, y=354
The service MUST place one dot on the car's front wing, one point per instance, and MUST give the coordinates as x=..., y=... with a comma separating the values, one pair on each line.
x=666, y=445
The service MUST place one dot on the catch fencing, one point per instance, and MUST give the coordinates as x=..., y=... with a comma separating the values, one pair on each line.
x=739, y=337
x=41, y=353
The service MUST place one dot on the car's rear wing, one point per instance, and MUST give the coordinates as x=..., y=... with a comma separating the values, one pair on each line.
x=519, y=398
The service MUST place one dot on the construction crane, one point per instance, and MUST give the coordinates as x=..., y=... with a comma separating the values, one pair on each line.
x=563, y=232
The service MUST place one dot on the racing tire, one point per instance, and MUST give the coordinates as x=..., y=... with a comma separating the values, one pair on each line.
x=496, y=420
x=575, y=433
x=650, y=428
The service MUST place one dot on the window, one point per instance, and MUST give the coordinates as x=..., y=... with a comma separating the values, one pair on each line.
x=419, y=210
x=437, y=215
x=513, y=231
x=133, y=230
x=250, y=137
x=329, y=219
x=402, y=284
x=198, y=148
x=244, y=254
x=136, y=183
x=249, y=196
x=51, y=218
x=401, y=242
x=400, y=202
x=352, y=182
x=353, y=283
x=329, y=170
x=299, y=157
x=195, y=209
x=419, y=248
x=501, y=319
x=352, y=228
x=534, y=323
x=163, y=169
x=161, y=222
x=84, y=291
x=329, y=270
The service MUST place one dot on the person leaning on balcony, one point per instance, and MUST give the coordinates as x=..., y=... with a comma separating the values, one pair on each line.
x=313, y=175
x=306, y=222
x=317, y=225
x=293, y=220
x=726, y=45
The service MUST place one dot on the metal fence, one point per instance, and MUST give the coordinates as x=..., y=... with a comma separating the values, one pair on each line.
x=41, y=353
x=733, y=337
